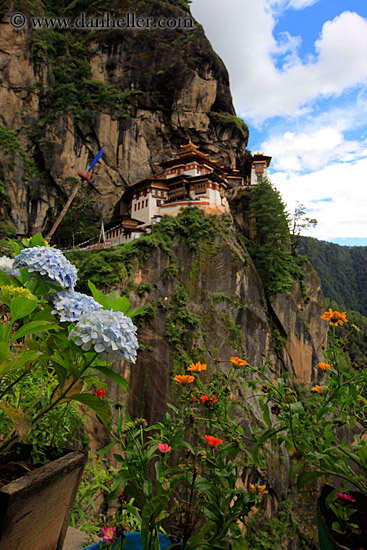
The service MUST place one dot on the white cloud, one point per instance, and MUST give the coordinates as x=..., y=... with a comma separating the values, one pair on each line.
x=304, y=151
x=345, y=215
x=295, y=4
x=243, y=37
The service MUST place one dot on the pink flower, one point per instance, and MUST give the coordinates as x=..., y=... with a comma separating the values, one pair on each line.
x=346, y=496
x=108, y=533
x=164, y=448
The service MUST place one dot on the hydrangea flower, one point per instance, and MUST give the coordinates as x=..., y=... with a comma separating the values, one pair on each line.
x=111, y=333
x=49, y=262
x=71, y=306
x=6, y=264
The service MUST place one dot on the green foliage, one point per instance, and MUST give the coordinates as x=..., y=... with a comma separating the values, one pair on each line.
x=342, y=271
x=265, y=534
x=73, y=87
x=82, y=219
x=228, y=119
x=271, y=248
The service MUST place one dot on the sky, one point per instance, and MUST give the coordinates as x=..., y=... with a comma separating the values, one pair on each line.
x=298, y=76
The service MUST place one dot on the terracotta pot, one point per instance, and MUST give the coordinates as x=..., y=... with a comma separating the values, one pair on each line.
x=331, y=540
x=35, y=509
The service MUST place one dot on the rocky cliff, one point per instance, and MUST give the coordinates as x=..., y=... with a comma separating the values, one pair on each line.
x=139, y=93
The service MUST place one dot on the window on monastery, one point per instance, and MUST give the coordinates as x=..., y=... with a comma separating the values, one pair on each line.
x=134, y=206
x=146, y=203
x=159, y=202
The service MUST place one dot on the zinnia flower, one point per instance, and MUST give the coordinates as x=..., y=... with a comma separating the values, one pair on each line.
x=184, y=378
x=108, y=533
x=238, y=362
x=48, y=262
x=100, y=393
x=111, y=333
x=164, y=448
x=197, y=367
x=334, y=317
x=6, y=264
x=324, y=366
x=71, y=306
x=317, y=388
x=346, y=496
x=205, y=400
x=259, y=488
x=213, y=441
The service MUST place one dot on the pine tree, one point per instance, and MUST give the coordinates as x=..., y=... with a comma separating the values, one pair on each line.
x=271, y=247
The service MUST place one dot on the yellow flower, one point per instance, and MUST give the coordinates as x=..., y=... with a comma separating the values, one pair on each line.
x=334, y=317
x=324, y=366
x=237, y=361
x=184, y=378
x=13, y=291
x=197, y=367
x=259, y=488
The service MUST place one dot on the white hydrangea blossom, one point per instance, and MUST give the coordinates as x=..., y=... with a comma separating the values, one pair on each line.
x=71, y=306
x=6, y=264
x=48, y=262
x=110, y=333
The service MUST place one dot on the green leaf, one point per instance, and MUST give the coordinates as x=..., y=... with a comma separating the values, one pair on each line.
x=21, y=306
x=305, y=478
x=120, y=304
x=117, y=378
x=101, y=408
x=33, y=327
x=21, y=422
x=97, y=294
x=266, y=414
x=362, y=455
x=152, y=509
x=5, y=332
x=5, y=352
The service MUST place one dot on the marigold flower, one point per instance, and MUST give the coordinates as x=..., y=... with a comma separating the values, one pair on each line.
x=334, y=317
x=184, y=378
x=197, y=367
x=164, y=448
x=108, y=533
x=238, y=362
x=324, y=366
x=346, y=496
x=100, y=393
x=213, y=441
x=259, y=488
x=317, y=388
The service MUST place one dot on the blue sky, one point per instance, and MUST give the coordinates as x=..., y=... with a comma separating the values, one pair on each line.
x=298, y=73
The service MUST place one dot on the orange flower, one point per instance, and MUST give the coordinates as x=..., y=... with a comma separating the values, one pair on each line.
x=197, y=367
x=260, y=488
x=317, y=388
x=213, y=441
x=324, y=366
x=184, y=378
x=334, y=317
x=237, y=361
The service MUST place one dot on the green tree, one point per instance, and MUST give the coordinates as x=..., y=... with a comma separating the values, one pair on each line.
x=270, y=249
x=298, y=222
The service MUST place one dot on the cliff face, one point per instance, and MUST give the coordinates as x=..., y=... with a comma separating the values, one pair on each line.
x=138, y=93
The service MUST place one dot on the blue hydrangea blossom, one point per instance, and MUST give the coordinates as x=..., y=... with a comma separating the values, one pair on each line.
x=71, y=306
x=48, y=262
x=6, y=264
x=111, y=333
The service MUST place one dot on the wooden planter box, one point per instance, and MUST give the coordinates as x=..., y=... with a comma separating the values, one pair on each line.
x=35, y=509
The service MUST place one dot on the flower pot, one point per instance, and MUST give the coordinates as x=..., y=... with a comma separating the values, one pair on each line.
x=35, y=509
x=134, y=542
x=331, y=540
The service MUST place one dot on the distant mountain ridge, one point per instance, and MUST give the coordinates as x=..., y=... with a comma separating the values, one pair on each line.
x=342, y=271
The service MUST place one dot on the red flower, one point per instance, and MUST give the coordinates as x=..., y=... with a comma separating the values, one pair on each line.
x=346, y=496
x=205, y=400
x=164, y=448
x=213, y=441
x=100, y=393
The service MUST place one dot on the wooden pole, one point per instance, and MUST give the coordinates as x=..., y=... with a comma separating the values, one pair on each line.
x=83, y=177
